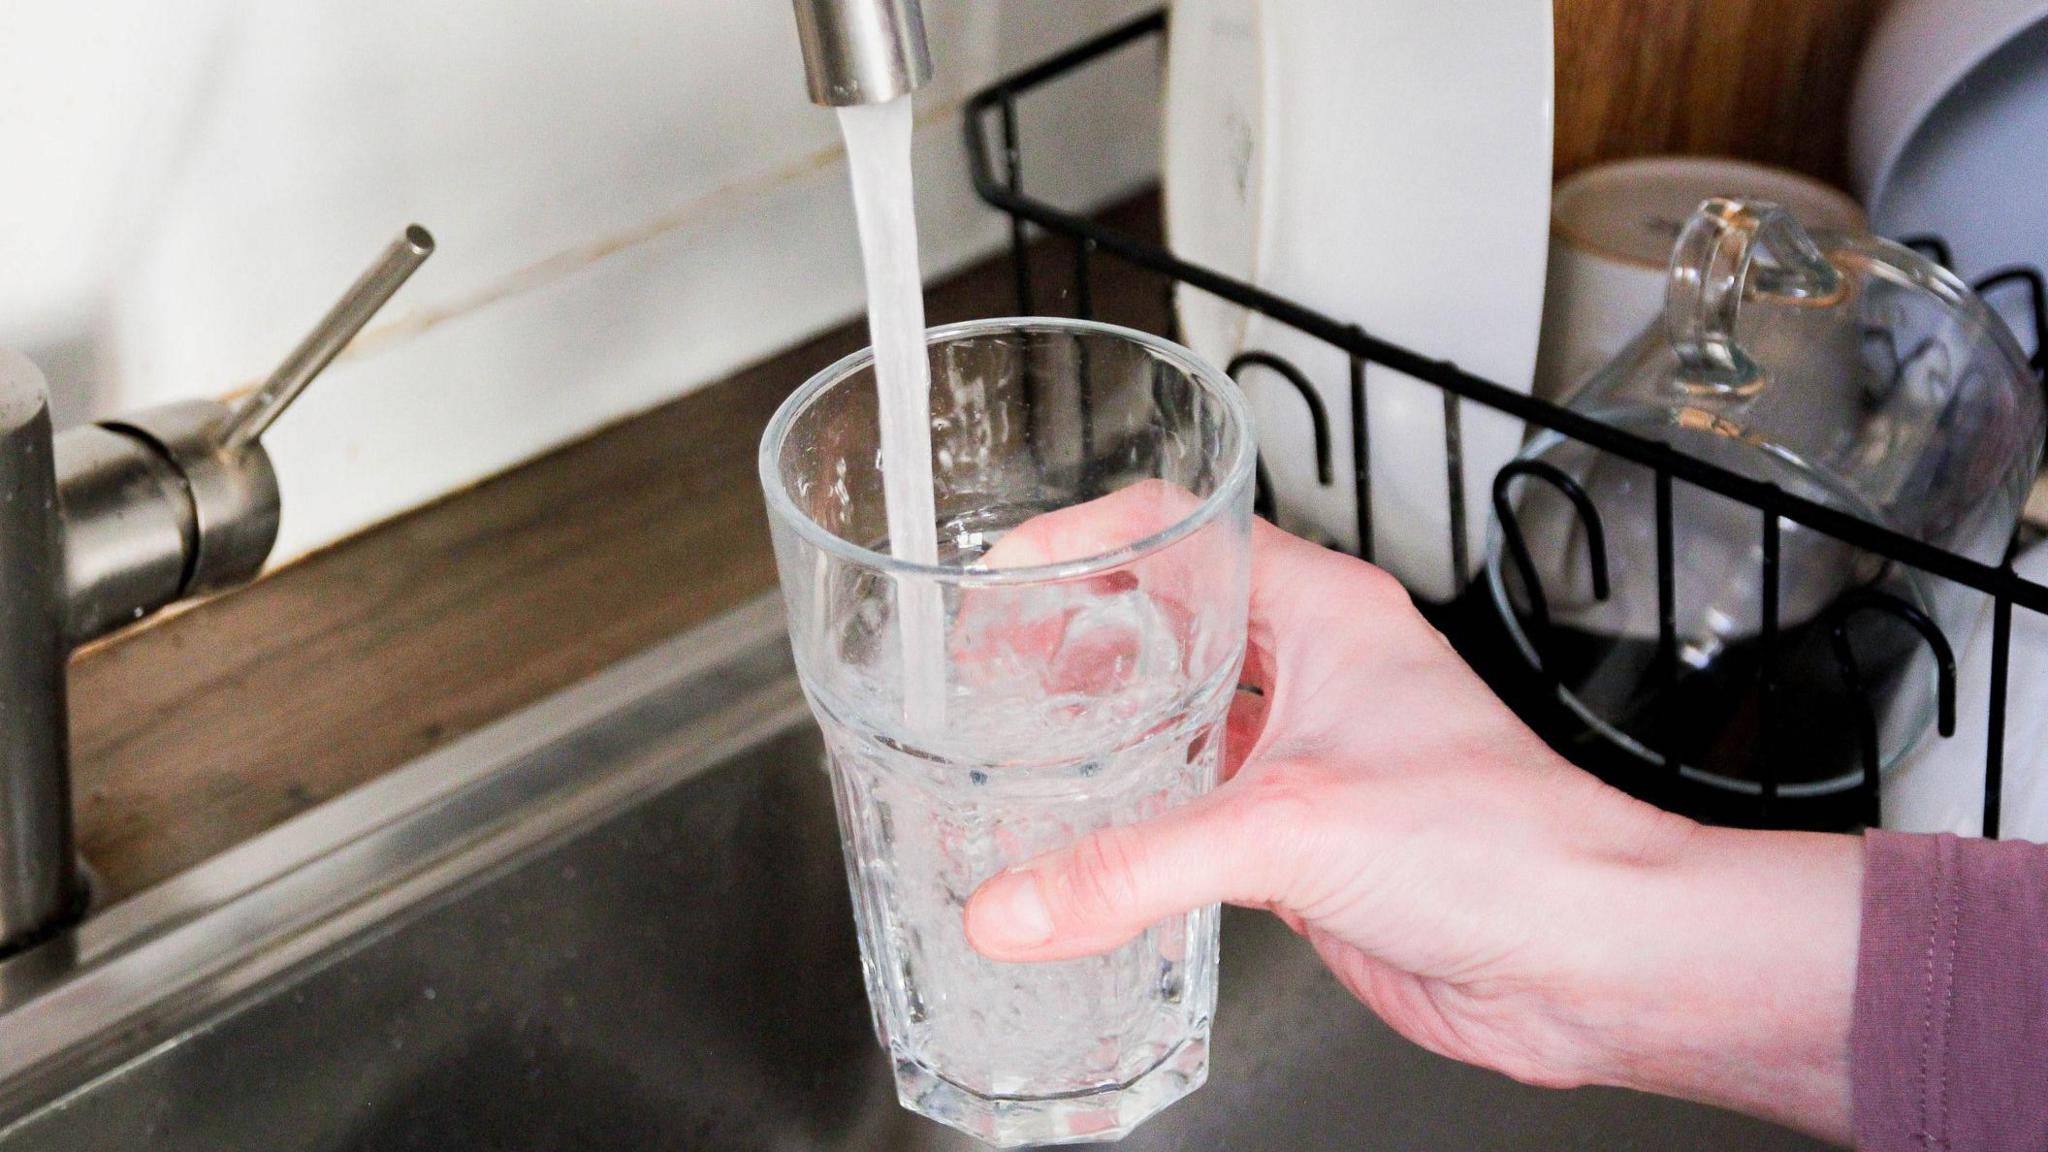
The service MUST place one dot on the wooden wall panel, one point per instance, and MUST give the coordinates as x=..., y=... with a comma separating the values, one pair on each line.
x=1763, y=79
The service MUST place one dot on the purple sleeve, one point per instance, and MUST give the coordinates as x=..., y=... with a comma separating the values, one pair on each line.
x=1950, y=1042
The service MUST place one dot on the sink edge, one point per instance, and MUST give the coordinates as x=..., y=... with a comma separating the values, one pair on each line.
x=108, y=993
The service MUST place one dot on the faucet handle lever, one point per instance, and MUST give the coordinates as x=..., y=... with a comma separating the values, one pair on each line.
x=363, y=300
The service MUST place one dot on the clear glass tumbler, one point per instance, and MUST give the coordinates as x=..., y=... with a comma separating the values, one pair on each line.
x=1085, y=689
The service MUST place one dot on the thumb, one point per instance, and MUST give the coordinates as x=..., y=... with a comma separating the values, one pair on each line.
x=1102, y=892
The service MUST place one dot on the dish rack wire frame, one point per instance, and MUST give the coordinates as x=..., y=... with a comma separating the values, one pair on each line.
x=997, y=168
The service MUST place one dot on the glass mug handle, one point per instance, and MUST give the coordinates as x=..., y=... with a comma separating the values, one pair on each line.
x=1712, y=267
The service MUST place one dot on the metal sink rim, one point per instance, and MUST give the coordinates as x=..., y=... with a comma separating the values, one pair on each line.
x=127, y=981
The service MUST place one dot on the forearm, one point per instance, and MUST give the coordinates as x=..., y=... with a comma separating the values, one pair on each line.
x=1730, y=976
x=1951, y=1032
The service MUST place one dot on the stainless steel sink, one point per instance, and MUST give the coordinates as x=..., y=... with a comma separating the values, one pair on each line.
x=619, y=921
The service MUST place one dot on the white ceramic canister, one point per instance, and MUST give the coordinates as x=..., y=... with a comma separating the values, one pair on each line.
x=1612, y=227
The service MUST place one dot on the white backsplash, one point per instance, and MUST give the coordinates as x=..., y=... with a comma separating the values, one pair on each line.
x=631, y=199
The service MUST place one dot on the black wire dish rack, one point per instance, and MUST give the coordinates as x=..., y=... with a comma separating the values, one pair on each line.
x=997, y=164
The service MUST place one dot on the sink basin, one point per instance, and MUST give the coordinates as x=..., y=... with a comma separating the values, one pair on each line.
x=619, y=921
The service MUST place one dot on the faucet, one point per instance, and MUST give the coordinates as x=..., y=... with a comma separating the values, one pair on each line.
x=863, y=51
x=105, y=524
x=110, y=522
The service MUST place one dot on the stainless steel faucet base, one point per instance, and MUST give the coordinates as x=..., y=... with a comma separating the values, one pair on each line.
x=38, y=874
x=104, y=525
x=232, y=491
x=157, y=509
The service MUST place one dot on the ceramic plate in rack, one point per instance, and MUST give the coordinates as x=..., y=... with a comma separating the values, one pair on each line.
x=1946, y=131
x=1214, y=167
x=1387, y=163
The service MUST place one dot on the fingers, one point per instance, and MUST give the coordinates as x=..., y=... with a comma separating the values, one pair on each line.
x=1243, y=729
x=1292, y=579
x=1101, y=526
x=1045, y=634
x=1102, y=892
x=1316, y=618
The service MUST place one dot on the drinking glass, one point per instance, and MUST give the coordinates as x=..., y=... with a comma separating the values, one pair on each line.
x=1072, y=685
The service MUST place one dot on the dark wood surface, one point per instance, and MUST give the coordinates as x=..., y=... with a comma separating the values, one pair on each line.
x=1762, y=79
x=197, y=731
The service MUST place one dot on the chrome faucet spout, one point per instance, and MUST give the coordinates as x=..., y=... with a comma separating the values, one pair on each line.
x=104, y=525
x=863, y=51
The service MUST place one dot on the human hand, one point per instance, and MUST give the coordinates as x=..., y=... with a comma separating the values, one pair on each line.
x=1488, y=900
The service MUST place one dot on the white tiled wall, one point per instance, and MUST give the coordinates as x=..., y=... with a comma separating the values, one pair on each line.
x=632, y=198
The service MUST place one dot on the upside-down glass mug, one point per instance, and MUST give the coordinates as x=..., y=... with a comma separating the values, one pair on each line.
x=1082, y=690
x=1842, y=368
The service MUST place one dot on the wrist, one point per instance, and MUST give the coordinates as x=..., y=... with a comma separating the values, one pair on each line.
x=1729, y=969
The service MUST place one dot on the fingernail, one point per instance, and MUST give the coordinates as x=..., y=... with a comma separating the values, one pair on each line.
x=1010, y=913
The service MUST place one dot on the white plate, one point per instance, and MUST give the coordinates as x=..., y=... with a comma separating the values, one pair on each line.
x=1215, y=173
x=1397, y=175
x=1947, y=131
x=1918, y=55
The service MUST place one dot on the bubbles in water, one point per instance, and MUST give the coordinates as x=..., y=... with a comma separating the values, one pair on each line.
x=1027, y=771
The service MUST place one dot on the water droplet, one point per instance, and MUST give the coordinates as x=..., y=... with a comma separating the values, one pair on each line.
x=1170, y=985
x=913, y=1000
